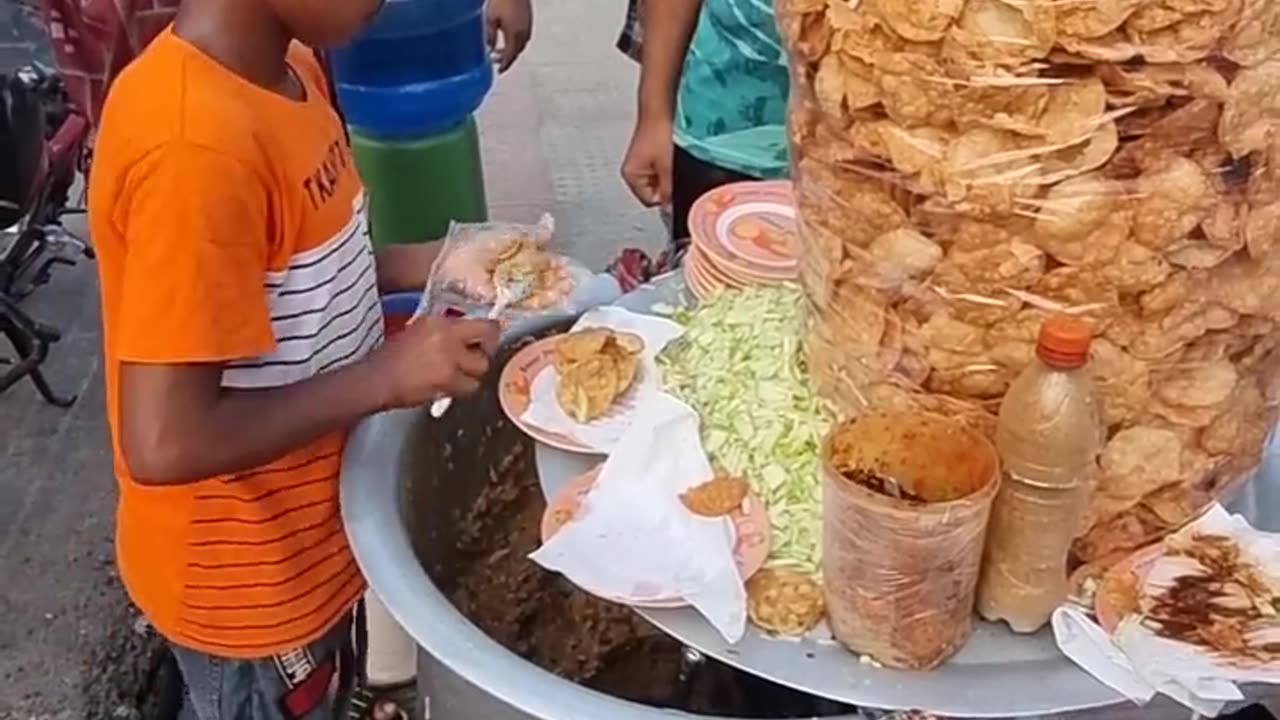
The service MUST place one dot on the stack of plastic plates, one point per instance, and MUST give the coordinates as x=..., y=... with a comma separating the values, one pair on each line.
x=741, y=234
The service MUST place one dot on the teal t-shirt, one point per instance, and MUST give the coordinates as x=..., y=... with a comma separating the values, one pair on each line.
x=731, y=110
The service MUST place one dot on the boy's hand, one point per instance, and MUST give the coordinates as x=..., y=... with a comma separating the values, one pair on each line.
x=435, y=357
x=513, y=19
x=646, y=168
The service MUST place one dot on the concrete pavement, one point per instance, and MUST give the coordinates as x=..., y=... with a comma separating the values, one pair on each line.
x=553, y=133
x=556, y=127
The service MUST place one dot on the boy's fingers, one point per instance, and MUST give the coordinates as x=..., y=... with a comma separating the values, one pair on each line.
x=491, y=32
x=484, y=333
x=473, y=363
x=643, y=184
x=509, y=53
x=464, y=385
x=653, y=190
x=662, y=193
x=515, y=43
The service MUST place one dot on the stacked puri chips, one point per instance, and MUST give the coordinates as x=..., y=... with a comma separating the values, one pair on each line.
x=964, y=168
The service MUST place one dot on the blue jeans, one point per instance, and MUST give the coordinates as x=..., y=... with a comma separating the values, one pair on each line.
x=310, y=683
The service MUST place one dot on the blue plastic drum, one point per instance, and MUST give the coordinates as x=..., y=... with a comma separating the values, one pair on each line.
x=420, y=68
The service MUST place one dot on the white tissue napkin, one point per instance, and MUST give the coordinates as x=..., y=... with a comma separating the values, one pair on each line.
x=1089, y=646
x=603, y=434
x=633, y=539
x=1137, y=663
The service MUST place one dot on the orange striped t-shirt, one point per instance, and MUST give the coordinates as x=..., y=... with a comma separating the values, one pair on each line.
x=231, y=228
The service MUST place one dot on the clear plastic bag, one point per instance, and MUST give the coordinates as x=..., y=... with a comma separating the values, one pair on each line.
x=478, y=257
x=906, y=498
x=964, y=169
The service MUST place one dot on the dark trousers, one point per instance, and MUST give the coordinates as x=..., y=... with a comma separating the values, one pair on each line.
x=690, y=179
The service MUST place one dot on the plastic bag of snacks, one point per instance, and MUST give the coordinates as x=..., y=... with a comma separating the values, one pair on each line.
x=963, y=168
x=479, y=258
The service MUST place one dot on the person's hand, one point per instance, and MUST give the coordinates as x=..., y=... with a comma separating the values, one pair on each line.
x=435, y=357
x=646, y=168
x=513, y=19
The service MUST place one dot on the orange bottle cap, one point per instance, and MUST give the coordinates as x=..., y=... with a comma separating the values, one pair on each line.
x=1064, y=341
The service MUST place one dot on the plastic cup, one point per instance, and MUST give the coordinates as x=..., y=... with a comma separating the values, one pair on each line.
x=900, y=574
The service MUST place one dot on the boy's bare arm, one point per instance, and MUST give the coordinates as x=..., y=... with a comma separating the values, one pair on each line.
x=405, y=267
x=667, y=27
x=177, y=424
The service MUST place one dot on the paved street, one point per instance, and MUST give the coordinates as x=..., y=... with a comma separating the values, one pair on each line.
x=556, y=127
x=553, y=133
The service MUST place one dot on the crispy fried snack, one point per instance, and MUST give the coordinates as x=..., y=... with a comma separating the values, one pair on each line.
x=962, y=170
x=587, y=389
x=629, y=343
x=524, y=260
x=580, y=346
x=716, y=497
x=785, y=602
x=596, y=367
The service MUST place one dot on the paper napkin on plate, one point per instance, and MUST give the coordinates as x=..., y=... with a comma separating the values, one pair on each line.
x=1138, y=663
x=603, y=434
x=633, y=540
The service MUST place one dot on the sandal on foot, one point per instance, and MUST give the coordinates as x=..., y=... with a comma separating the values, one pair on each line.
x=392, y=702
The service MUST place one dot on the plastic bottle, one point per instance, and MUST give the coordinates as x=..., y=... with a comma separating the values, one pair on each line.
x=1048, y=437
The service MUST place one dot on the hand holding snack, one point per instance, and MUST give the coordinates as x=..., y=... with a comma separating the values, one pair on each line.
x=479, y=258
x=435, y=356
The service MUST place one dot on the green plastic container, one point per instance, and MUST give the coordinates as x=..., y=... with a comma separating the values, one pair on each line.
x=417, y=187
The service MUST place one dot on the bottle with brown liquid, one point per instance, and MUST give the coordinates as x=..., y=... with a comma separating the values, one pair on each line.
x=1048, y=437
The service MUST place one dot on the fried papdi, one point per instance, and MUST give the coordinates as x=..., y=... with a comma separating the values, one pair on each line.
x=521, y=264
x=716, y=497
x=627, y=367
x=513, y=248
x=785, y=602
x=629, y=343
x=579, y=346
x=596, y=367
x=588, y=388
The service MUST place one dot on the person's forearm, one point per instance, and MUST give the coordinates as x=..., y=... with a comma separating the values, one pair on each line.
x=238, y=430
x=406, y=267
x=667, y=27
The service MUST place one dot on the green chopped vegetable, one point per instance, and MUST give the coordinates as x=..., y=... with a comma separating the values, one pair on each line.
x=738, y=366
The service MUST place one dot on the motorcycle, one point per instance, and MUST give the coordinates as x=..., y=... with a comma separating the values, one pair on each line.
x=43, y=146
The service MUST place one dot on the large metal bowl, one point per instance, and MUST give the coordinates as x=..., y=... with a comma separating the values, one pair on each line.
x=406, y=480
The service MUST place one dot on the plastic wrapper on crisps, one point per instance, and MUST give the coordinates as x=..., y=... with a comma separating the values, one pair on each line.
x=478, y=258
x=964, y=168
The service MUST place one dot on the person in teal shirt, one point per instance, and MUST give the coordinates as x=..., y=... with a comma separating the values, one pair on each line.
x=712, y=101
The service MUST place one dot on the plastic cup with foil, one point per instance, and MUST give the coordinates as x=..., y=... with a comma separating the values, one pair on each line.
x=906, y=498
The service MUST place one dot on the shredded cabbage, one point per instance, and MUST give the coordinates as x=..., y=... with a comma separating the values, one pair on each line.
x=738, y=366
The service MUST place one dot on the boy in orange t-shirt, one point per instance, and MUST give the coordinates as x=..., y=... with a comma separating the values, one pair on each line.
x=243, y=338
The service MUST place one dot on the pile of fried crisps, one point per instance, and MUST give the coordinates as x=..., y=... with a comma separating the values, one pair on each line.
x=596, y=366
x=716, y=497
x=523, y=260
x=963, y=168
